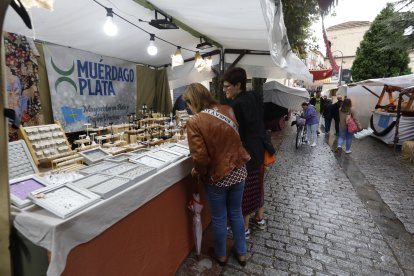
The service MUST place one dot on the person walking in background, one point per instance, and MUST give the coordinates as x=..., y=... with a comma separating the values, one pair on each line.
x=328, y=115
x=318, y=102
x=248, y=108
x=220, y=162
x=312, y=122
x=344, y=135
x=335, y=113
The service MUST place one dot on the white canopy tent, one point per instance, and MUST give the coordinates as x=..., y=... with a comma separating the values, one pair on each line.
x=288, y=97
x=234, y=24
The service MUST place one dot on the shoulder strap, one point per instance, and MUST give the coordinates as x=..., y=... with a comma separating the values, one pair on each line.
x=221, y=117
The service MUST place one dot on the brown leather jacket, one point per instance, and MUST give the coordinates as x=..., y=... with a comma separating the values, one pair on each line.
x=215, y=147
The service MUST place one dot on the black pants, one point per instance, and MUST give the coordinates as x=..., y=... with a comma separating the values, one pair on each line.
x=336, y=125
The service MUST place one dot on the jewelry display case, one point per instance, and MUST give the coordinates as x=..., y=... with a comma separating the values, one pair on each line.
x=94, y=155
x=63, y=200
x=179, y=148
x=45, y=142
x=166, y=154
x=150, y=161
x=104, y=165
x=89, y=181
x=20, y=188
x=119, y=158
x=139, y=173
x=111, y=186
x=20, y=160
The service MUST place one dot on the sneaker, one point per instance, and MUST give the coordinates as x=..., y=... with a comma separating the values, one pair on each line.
x=348, y=151
x=313, y=145
x=260, y=224
x=247, y=233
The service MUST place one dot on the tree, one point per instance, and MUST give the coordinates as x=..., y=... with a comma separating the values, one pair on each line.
x=374, y=62
x=299, y=16
x=401, y=22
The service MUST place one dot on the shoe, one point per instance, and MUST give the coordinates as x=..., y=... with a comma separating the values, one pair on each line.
x=247, y=233
x=338, y=149
x=313, y=145
x=237, y=257
x=214, y=257
x=260, y=224
x=348, y=151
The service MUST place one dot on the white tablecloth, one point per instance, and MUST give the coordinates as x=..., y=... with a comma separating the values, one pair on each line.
x=61, y=236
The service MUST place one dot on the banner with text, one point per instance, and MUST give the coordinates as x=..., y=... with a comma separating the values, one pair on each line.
x=89, y=88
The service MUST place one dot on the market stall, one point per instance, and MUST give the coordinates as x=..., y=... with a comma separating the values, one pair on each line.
x=376, y=103
x=279, y=100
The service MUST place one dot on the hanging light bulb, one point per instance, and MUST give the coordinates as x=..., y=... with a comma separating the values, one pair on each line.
x=152, y=49
x=209, y=62
x=177, y=58
x=109, y=27
x=199, y=62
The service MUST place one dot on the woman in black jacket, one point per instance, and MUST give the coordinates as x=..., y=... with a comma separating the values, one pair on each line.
x=248, y=108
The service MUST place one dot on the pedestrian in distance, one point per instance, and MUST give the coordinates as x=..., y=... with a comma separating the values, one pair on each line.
x=220, y=163
x=248, y=108
x=344, y=135
x=318, y=102
x=335, y=111
x=328, y=115
x=312, y=122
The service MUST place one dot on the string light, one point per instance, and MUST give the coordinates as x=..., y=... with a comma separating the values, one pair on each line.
x=152, y=50
x=177, y=58
x=109, y=27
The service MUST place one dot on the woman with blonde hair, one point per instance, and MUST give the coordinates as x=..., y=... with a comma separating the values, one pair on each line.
x=220, y=162
x=345, y=112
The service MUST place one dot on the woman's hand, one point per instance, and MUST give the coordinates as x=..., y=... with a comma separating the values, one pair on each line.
x=194, y=172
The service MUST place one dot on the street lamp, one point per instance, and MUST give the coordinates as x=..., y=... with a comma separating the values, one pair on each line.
x=342, y=62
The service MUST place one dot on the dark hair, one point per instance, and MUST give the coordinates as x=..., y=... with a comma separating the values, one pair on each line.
x=305, y=103
x=234, y=76
x=346, y=105
x=198, y=97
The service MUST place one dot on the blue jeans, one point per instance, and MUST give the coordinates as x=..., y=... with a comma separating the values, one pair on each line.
x=227, y=201
x=312, y=136
x=344, y=135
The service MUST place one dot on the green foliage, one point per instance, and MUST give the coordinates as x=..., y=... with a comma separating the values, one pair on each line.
x=372, y=61
x=299, y=16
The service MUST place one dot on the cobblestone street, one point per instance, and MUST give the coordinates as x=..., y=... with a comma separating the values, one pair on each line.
x=331, y=214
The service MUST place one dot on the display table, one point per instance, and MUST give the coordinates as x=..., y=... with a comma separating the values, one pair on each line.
x=144, y=230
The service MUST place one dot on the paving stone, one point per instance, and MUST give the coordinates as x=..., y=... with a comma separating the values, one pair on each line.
x=317, y=224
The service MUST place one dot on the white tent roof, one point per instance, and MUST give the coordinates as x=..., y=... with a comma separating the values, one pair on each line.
x=400, y=81
x=288, y=97
x=236, y=24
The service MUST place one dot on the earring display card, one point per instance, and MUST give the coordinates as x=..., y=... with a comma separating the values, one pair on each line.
x=180, y=149
x=150, y=161
x=94, y=155
x=104, y=165
x=111, y=186
x=63, y=200
x=166, y=154
x=119, y=158
x=20, y=189
x=20, y=161
x=139, y=173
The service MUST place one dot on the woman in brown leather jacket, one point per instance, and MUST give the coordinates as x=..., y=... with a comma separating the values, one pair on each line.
x=219, y=160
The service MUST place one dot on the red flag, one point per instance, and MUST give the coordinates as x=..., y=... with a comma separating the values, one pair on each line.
x=334, y=66
x=321, y=74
